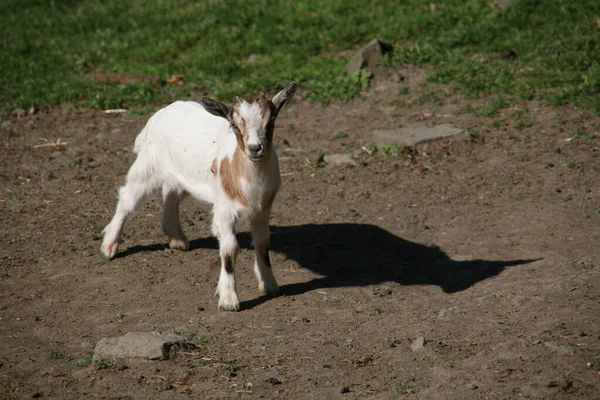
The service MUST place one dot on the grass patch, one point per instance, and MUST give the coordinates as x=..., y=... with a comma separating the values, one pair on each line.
x=59, y=355
x=84, y=362
x=194, y=338
x=405, y=384
x=51, y=51
x=339, y=136
x=320, y=161
x=494, y=106
x=103, y=364
x=231, y=366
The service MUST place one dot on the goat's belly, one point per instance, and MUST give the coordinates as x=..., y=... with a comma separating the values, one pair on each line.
x=202, y=192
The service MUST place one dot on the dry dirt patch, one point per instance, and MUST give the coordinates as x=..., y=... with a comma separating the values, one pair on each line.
x=486, y=247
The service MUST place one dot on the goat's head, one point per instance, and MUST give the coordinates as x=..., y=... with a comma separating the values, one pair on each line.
x=252, y=119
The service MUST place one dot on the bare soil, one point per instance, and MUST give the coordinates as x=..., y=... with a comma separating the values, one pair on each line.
x=486, y=246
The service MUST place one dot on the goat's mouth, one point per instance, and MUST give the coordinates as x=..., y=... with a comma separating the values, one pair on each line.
x=255, y=158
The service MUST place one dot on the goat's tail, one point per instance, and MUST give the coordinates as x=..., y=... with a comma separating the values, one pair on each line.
x=140, y=140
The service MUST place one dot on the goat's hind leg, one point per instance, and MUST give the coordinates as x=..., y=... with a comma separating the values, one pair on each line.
x=262, y=265
x=171, y=222
x=139, y=183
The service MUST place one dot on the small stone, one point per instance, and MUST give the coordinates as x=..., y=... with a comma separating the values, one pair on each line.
x=274, y=381
x=339, y=159
x=557, y=190
x=598, y=23
x=416, y=135
x=19, y=113
x=368, y=56
x=345, y=389
x=418, y=344
x=305, y=320
x=560, y=348
x=152, y=346
x=326, y=366
x=472, y=386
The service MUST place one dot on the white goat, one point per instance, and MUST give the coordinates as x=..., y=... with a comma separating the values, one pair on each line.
x=219, y=154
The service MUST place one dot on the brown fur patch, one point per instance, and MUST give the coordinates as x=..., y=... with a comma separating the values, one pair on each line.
x=230, y=174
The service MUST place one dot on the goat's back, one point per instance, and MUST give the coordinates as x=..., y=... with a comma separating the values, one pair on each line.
x=181, y=141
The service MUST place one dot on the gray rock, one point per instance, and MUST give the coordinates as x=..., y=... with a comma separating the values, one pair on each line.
x=368, y=56
x=339, y=159
x=560, y=348
x=418, y=344
x=19, y=113
x=472, y=386
x=151, y=346
x=416, y=135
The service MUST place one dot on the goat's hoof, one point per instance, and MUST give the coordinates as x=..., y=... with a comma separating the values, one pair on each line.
x=179, y=244
x=271, y=290
x=109, y=250
x=229, y=303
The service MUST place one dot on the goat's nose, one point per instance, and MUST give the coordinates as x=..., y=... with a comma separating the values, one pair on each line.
x=255, y=148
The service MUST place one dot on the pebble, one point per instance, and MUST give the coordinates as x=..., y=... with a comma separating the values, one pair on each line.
x=274, y=381
x=19, y=113
x=418, y=344
x=560, y=348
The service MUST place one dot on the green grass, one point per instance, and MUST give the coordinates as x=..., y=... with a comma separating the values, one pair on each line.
x=51, y=50
x=404, y=385
x=84, y=362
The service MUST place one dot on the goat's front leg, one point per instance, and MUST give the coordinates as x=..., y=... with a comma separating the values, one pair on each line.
x=224, y=225
x=262, y=265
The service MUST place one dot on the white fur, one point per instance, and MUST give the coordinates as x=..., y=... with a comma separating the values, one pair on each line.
x=176, y=150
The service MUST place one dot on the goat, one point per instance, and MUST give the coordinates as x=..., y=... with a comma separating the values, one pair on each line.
x=218, y=154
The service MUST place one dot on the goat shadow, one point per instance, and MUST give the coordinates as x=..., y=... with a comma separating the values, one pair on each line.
x=348, y=254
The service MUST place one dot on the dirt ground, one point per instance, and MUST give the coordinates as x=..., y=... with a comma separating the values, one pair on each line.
x=485, y=246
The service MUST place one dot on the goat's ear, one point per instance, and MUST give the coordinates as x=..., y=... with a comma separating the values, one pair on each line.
x=285, y=96
x=215, y=107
